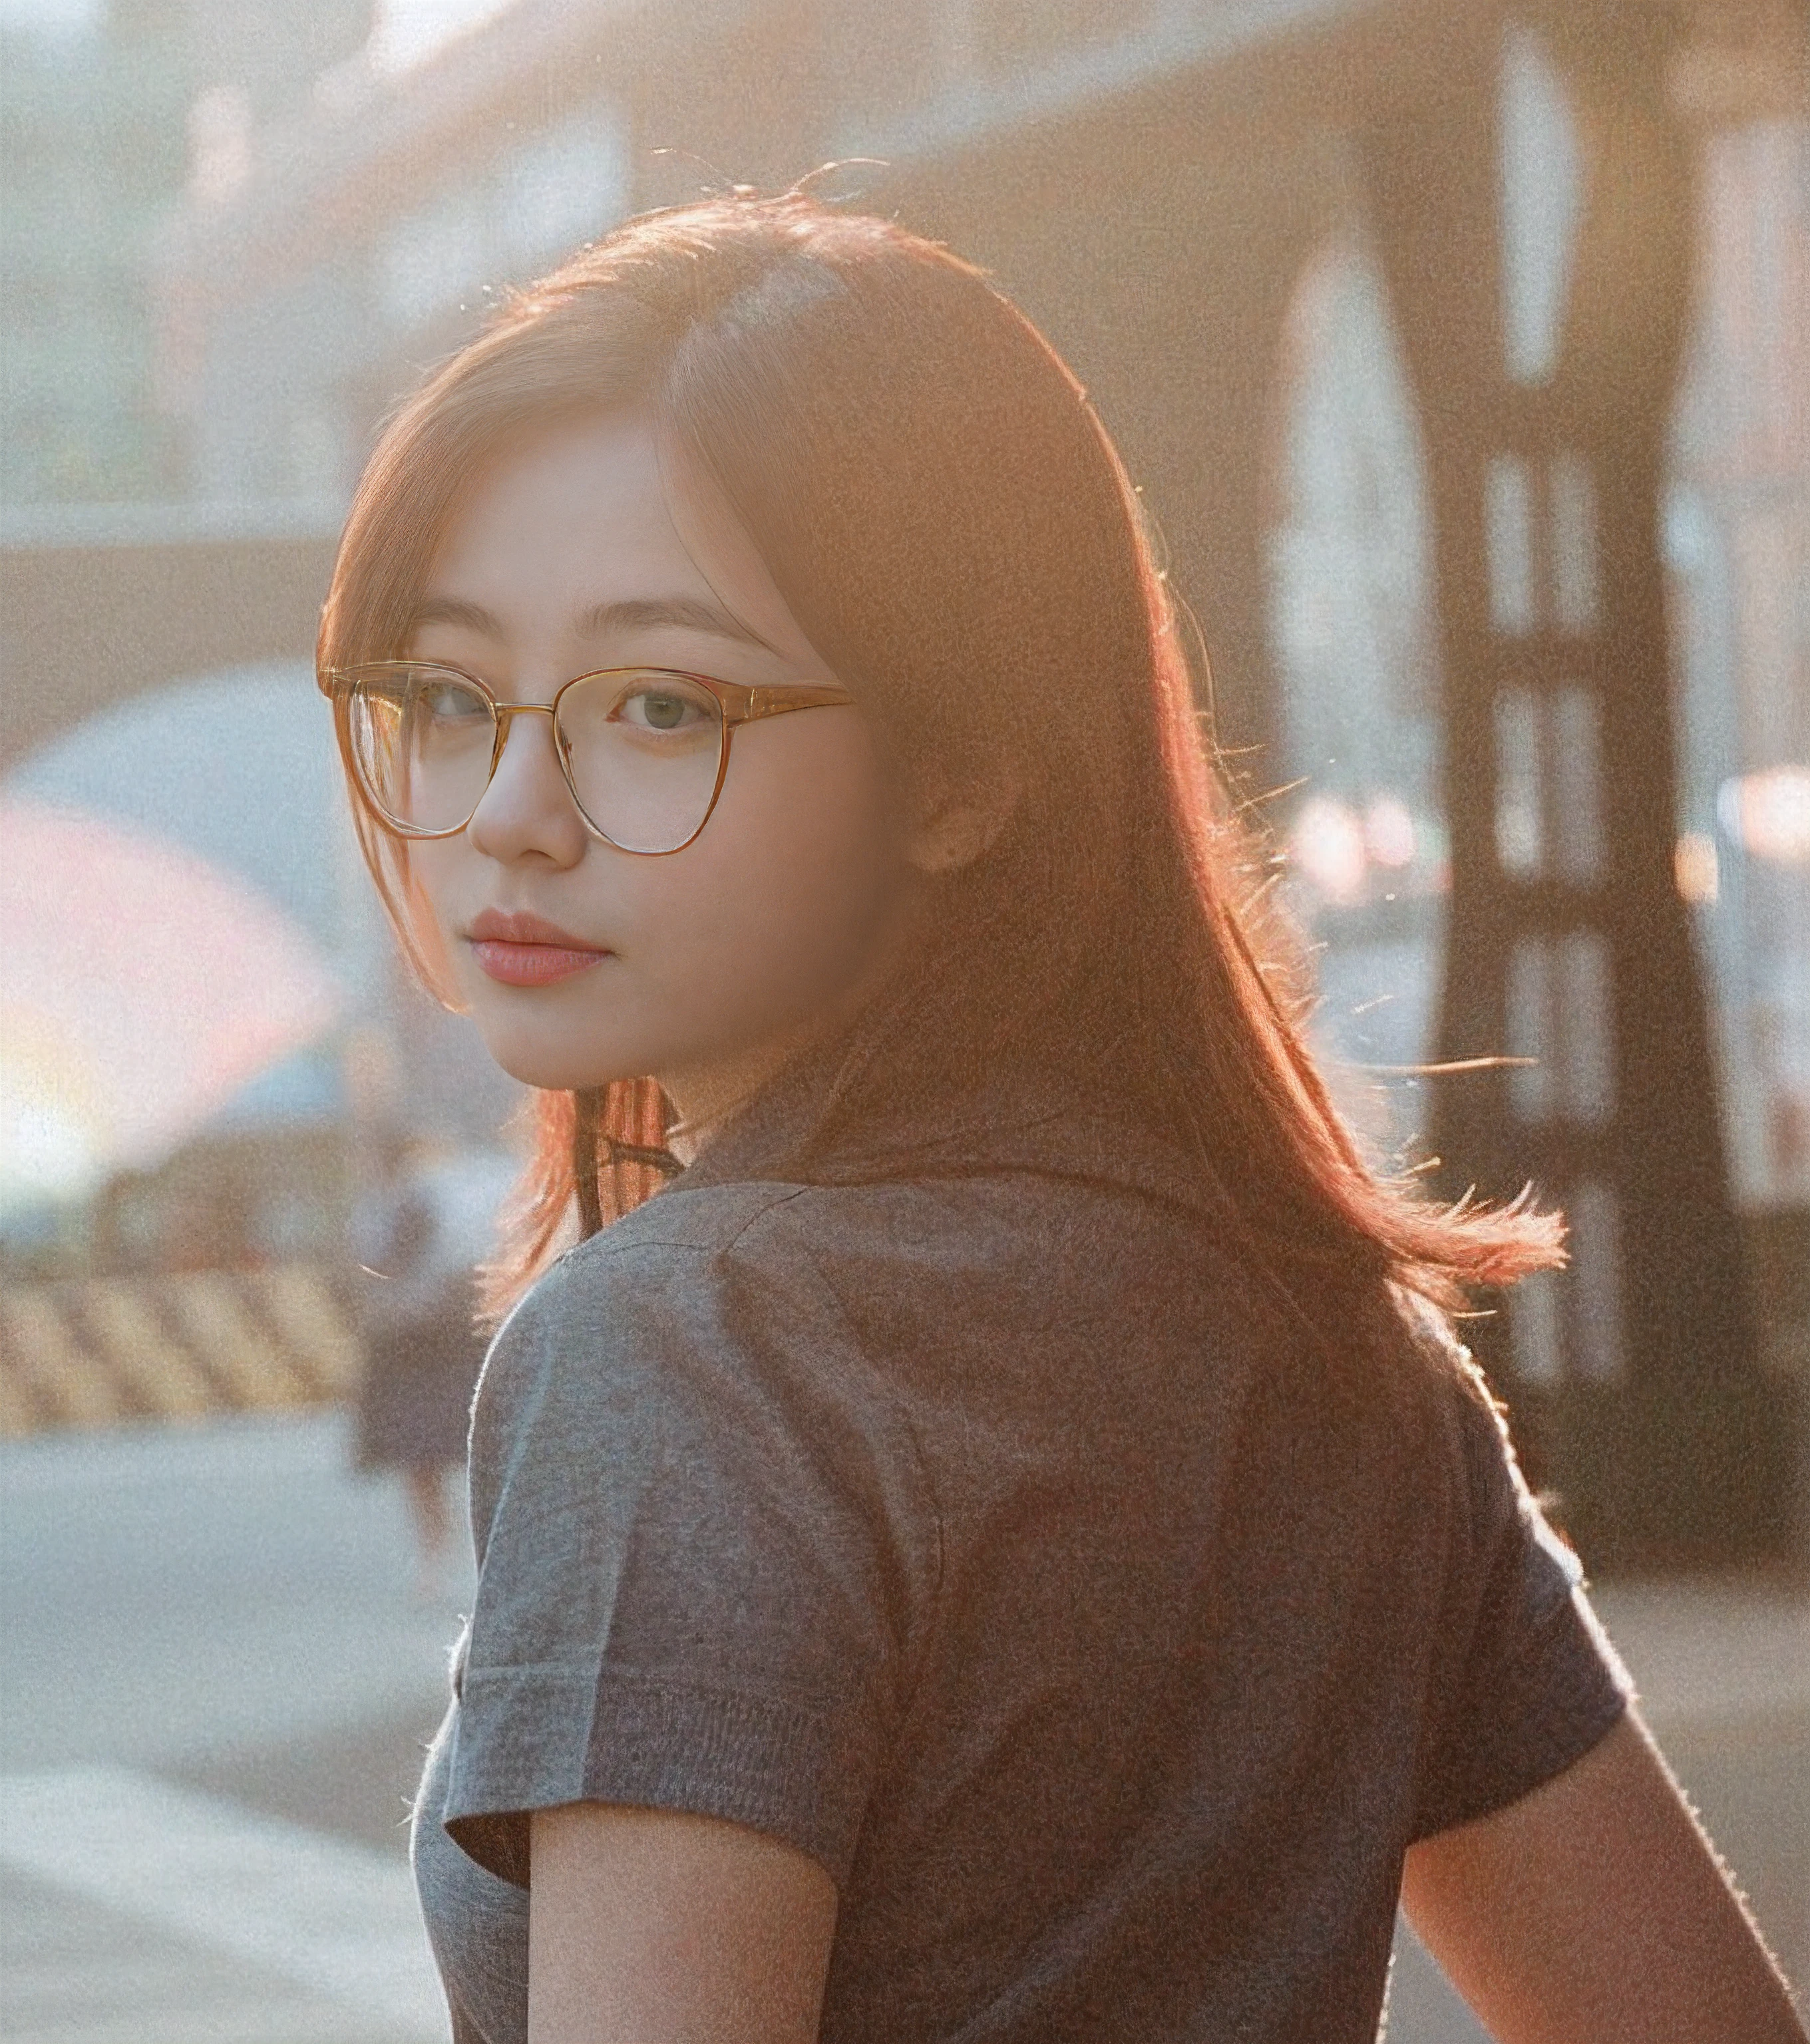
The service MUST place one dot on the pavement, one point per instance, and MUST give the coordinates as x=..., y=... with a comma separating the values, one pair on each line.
x=216, y=1685
x=215, y=1688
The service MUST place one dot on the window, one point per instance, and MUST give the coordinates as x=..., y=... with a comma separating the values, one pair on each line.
x=1353, y=629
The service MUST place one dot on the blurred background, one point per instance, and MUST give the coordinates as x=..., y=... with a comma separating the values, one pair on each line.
x=1462, y=352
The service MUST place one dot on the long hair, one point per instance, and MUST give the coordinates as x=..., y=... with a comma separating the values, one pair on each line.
x=943, y=511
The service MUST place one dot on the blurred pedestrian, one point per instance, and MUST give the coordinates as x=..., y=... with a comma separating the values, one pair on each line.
x=1007, y=1544
x=418, y=1243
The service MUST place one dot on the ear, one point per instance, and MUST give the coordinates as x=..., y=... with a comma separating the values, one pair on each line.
x=957, y=825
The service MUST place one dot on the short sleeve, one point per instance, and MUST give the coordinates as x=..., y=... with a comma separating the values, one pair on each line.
x=702, y=1537
x=1526, y=1681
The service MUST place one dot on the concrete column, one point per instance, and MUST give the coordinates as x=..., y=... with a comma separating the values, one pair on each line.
x=1543, y=323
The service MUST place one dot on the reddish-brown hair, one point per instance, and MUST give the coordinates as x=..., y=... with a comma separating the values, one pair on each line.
x=947, y=518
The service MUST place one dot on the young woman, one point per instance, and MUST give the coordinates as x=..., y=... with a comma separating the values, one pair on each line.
x=1005, y=1545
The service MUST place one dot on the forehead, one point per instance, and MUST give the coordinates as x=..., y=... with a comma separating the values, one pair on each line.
x=563, y=526
x=570, y=515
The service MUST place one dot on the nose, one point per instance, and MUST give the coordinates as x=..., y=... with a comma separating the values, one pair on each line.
x=527, y=812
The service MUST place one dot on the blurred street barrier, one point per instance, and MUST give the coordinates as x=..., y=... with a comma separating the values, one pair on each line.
x=103, y=1351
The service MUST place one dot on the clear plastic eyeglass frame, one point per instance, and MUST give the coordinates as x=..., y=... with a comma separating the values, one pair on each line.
x=738, y=703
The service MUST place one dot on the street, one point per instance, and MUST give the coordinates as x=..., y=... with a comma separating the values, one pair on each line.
x=213, y=1696
x=215, y=1688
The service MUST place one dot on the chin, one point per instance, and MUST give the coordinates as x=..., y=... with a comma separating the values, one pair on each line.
x=557, y=1070
x=547, y=1042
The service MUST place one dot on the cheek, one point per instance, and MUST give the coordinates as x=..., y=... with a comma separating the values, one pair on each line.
x=429, y=882
x=772, y=914
x=797, y=871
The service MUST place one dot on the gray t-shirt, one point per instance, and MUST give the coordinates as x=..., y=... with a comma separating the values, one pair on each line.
x=989, y=1534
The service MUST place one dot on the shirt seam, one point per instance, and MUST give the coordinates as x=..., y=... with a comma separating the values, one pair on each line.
x=607, y=1243
x=596, y=1670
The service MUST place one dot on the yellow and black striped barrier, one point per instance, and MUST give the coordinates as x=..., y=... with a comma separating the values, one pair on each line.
x=105, y=1352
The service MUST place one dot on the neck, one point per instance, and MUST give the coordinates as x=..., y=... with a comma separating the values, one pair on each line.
x=707, y=1096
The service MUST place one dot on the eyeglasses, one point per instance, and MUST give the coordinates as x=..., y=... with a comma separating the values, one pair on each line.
x=644, y=750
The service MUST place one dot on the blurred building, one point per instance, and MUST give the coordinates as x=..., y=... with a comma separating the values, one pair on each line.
x=1460, y=350
x=146, y=688
x=105, y=121
x=95, y=152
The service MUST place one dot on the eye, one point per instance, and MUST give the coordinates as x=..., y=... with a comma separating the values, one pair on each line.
x=661, y=706
x=448, y=701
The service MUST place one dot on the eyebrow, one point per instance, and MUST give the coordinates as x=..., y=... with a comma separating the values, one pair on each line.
x=689, y=613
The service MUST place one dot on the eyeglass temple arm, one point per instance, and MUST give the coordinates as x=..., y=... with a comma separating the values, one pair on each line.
x=749, y=704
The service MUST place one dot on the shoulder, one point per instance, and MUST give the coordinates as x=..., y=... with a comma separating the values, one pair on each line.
x=700, y=1328
x=687, y=1280
x=1450, y=1382
x=1506, y=1545
x=672, y=1255
x=706, y=1546
x=769, y=1246
x=751, y=1257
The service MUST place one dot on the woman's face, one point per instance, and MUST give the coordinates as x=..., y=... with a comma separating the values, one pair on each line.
x=579, y=962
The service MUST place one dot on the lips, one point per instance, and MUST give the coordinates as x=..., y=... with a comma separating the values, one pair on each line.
x=521, y=950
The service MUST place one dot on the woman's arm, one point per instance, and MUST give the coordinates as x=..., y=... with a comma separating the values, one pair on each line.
x=1594, y=1910
x=651, y=1927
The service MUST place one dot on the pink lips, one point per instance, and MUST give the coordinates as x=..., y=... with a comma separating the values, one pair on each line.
x=520, y=949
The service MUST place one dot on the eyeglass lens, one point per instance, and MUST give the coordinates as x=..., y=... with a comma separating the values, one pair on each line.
x=641, y=749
